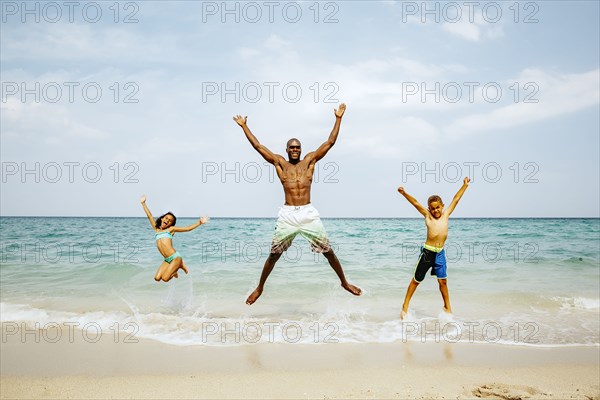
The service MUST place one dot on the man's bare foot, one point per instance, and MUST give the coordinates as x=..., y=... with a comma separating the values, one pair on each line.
x=175, y=275
x=254, y=296
x=184, y=268
x=403, y=314
x=352, y=289
x=447, y=310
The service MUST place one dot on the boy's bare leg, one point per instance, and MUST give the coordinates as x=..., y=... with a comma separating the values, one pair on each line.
x=268, y=267
x=337, y=267
x=409, y=293
x=444, y=290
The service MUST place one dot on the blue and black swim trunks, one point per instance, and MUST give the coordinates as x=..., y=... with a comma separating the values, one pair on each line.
x=431, y=257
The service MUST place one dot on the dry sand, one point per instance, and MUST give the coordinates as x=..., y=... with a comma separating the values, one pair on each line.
x=411, y=370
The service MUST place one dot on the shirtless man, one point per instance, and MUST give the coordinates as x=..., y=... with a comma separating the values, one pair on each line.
x=297, y=215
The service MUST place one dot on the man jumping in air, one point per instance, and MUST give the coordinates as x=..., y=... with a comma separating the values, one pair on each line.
x=297, y=215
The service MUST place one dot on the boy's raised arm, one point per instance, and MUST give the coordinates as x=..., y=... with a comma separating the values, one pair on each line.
x=458, y=195
x=262, y=150
x=148, y=214
x=413, y=201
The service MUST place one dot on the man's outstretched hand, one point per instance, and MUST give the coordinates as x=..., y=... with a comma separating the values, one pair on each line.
x=241, y=121
x=340, y=111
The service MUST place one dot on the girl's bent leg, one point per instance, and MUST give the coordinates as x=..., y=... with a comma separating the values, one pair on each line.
x=184, y=268
x=172, y=269
x=160, y=271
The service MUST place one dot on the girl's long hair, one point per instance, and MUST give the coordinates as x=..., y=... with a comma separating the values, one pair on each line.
x=159, y=219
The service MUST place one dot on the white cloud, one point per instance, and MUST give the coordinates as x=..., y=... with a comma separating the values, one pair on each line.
x=50, y=123
x=460, y=20
x=274, y=42
x=463, y=29
x=161, y=147
x=375, y=137
x=475, y=27
x=558, y=94
x=88, y=43
x=374, y=87
x=248, y=53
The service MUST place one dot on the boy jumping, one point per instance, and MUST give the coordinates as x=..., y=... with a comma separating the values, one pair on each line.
x=432, y=252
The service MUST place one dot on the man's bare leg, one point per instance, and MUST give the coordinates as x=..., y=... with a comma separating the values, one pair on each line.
x=409, y=293
x=445, y=295
x=269, y=264
x=337, y=267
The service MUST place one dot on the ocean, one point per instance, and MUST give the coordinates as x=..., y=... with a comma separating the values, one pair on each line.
x=514, y=282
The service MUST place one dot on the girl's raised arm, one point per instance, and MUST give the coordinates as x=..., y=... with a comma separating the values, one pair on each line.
x=148, y=213
x=201, y=221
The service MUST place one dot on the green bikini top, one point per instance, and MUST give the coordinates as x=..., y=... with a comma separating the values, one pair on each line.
x=163, y=235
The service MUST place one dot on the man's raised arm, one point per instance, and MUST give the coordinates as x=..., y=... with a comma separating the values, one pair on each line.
x=264, y=152
x=324, y=148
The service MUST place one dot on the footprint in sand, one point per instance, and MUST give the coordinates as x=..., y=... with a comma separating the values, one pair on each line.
x=505, y=392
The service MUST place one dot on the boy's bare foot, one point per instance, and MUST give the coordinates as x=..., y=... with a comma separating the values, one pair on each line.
x=184, y=268
x=403, y=314
x=352, y=289
x=175, y=275
x=254, y=296
x=447, y=310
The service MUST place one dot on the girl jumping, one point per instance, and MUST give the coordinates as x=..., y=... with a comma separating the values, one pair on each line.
x=164, y=227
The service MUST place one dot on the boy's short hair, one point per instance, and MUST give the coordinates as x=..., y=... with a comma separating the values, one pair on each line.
x=433, y=198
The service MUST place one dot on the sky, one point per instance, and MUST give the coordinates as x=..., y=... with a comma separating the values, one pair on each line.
x=105, y=101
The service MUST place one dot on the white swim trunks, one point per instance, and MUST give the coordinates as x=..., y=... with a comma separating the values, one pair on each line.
x=304, y=220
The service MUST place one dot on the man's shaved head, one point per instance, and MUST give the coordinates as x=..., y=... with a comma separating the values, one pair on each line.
x=292, y=140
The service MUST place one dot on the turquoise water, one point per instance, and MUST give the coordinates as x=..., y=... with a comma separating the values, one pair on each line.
x=512, y=281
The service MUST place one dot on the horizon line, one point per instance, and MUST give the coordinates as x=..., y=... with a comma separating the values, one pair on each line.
x=275, y=217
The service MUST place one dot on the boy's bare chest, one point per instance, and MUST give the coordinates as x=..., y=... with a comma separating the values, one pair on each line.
x=437, y=225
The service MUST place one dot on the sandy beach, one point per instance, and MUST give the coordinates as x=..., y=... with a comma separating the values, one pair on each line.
x=77, y=367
